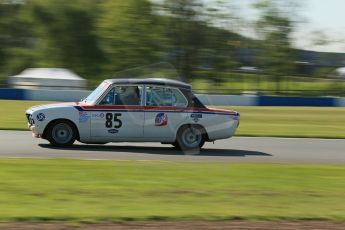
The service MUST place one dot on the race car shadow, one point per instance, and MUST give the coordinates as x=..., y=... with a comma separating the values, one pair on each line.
x=231, y=153
x=158, y=150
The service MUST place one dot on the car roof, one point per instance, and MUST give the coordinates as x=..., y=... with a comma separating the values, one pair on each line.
x=151, y=81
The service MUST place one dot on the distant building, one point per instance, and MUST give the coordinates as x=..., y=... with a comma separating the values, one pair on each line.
x=47, y=78
x=340, y=72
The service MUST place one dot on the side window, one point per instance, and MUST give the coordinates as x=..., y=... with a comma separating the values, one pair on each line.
x=123, y=95
x=178, y=99
x=160, y=96
x=128, y=95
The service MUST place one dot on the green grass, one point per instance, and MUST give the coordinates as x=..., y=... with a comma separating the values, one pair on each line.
x=12, y=113
x=81, y=191
x=255, y=121
x=318, y=122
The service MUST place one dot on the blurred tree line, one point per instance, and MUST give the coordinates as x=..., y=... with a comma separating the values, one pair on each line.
x=97, y=38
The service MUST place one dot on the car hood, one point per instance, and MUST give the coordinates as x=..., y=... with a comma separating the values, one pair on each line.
x=50, y=106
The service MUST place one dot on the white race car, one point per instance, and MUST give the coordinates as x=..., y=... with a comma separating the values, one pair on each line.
x=134, y=110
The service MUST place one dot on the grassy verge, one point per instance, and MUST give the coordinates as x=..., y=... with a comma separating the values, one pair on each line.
x=318, y=122
x=74, y=190
x=255, y=121
x=13, y=113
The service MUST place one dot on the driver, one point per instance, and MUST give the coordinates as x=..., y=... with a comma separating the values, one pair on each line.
x=130, y=95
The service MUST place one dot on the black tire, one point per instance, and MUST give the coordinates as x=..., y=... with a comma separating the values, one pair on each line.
x=190, y=139
x=61, y=133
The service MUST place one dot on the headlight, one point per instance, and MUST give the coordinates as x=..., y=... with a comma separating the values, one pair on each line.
x=30, y=119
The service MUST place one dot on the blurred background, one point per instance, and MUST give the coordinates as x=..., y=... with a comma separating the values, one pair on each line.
x=259, y=47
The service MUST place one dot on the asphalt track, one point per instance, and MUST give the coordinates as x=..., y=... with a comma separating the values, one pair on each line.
x=20, y=144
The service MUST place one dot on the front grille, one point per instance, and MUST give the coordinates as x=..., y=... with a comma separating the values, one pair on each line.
x=29, y=118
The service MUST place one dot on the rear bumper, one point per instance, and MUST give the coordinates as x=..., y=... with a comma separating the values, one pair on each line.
x=222, y=130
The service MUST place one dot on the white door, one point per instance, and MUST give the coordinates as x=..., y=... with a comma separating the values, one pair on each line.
x=164, y=112
x=119, y=115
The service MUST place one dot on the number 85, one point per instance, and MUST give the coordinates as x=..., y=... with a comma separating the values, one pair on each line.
x=109, y=120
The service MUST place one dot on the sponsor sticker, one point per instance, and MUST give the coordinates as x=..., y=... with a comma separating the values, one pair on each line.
x=41, y=117
x=113, y=131
x=196, y=116
x=98, y=115
x=161, y=119
x=83, y=116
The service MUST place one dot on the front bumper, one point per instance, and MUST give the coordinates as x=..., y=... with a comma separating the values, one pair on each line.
x=32, y=127
x=34, y=131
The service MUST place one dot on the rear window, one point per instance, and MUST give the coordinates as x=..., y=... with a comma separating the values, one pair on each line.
x=162, y=96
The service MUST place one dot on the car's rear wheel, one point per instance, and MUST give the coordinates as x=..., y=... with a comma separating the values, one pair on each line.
x=61, y=133
x=190, y=139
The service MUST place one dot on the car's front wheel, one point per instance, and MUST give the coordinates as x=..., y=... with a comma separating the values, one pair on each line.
x=190, y=139
x=61, y=133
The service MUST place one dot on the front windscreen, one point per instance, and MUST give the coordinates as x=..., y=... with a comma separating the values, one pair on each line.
x=97, y=93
